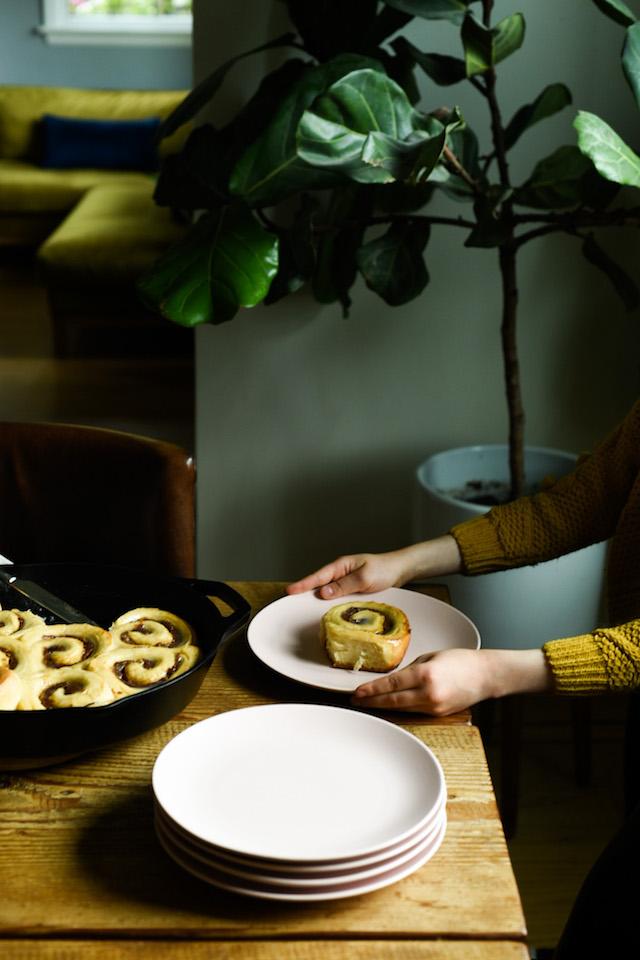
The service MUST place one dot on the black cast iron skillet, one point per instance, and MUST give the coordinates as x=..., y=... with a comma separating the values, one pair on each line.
x=39, y=737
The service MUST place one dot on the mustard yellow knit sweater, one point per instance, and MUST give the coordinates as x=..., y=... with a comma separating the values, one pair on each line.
x=598, y=501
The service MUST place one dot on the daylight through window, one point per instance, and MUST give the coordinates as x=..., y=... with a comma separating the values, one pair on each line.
x=137, y=8
x=117, y=21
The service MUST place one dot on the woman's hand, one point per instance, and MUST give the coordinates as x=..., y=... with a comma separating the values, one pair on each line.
x=368, y=572
x=451, y=680
x=359, y=573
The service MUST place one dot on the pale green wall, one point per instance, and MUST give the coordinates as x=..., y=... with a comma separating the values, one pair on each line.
x=309, y=426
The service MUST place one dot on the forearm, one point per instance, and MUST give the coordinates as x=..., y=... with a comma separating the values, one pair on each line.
x=509, y=672
x=431, y=558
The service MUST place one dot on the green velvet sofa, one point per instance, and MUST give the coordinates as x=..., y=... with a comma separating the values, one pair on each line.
x=77, y=174
x=35, y=198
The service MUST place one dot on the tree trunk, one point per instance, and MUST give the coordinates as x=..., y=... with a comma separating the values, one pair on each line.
x=515, y=409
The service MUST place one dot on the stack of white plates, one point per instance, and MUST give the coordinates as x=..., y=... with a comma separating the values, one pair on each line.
x=299, y=802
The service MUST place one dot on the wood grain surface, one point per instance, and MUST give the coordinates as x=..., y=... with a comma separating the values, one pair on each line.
x=81, y=862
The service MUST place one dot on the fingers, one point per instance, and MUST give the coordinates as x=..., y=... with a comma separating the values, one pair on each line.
x=335, y=579
x=321, y=579
x=408, y=701
x=439, y=684
x=402, y=690
x=415, y=689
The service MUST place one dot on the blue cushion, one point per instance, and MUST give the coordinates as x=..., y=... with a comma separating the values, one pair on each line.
x=72, y=142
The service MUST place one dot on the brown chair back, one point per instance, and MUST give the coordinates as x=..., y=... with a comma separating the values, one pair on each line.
x=87, y=494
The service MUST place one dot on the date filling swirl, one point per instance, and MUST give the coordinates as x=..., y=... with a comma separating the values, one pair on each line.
x=374, y=620
x=127, y=669
x=67, y=687
x=66, y=645
x=14, y=622
x=150, y=627
x=13, y=654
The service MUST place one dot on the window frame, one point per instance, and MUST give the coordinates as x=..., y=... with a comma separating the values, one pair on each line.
x=59, y=26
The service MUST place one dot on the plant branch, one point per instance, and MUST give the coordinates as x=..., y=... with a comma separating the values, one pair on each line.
x=454, y=166
x=497, y=130
x=393, y=218
x=507, y=260
x=575, y=221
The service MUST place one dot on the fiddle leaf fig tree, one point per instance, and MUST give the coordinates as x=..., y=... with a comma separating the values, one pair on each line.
x=327, y=172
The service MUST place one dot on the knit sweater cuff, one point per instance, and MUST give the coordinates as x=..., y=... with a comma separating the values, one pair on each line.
x=577, y=665
x=480, y=548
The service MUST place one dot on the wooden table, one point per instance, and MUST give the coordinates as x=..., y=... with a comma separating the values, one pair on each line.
x=82, y=873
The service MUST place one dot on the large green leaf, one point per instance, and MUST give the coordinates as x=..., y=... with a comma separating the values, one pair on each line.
x=624, y=286
x=563, y=179
x=333, y=133
x=271, y=170
x=484, y=47
x=617, y=10
x=296, y=251
x=631, y=59
x=453, y=10
x=195, y=178
x=336, y=131
x=552, y=99
x=393, y=264
x=338, y=239
x=413, y=159
x=611, y=156
x=226, y=261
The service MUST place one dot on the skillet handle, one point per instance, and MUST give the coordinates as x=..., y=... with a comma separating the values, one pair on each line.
x=241, y=609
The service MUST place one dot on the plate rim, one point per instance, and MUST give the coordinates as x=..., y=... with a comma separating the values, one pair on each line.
x=391, y=595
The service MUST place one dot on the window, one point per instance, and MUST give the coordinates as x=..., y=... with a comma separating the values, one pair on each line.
x=157, y=22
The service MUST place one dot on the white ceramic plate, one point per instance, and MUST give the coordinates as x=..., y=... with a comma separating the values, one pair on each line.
x=298, y=782
x=271, y=871
x=298, y=881
x=214, y=874
x=285, y=635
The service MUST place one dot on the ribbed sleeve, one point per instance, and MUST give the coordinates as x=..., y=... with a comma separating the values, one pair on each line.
x=577, y=665
x=480, y=546
x=605, y=660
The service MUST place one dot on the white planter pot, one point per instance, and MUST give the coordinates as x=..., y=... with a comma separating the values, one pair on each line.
x=520, y=608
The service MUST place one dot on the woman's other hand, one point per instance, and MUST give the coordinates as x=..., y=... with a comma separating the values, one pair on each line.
x=452, y=680
x=369, y=572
